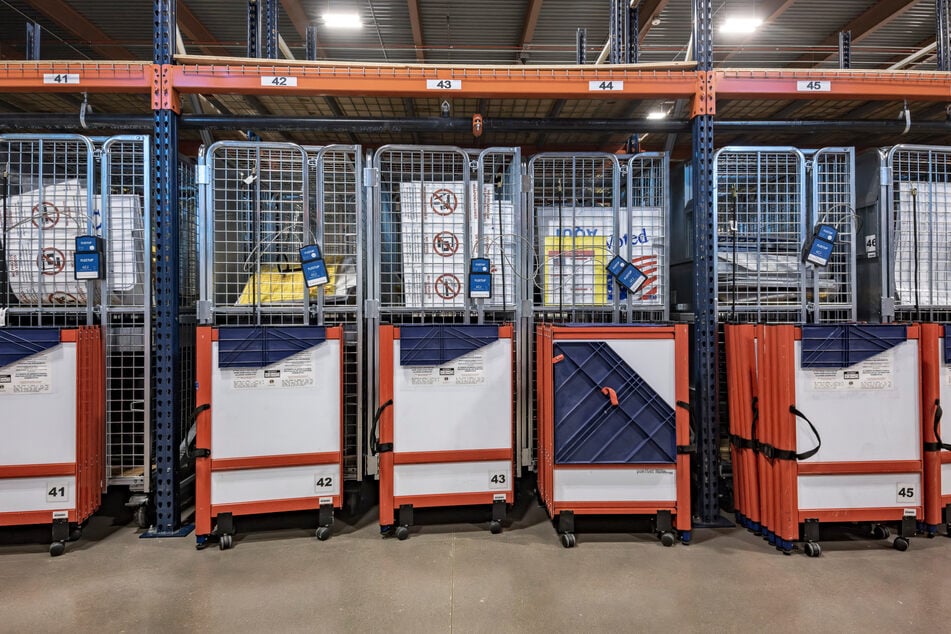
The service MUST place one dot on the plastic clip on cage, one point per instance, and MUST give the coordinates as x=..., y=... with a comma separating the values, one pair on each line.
x=446, y=350
x=264, y=353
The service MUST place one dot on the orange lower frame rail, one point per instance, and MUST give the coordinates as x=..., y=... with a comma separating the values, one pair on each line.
x=206, y=465
x=679, y=510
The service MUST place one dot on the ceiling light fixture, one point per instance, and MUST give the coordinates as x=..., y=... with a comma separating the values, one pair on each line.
x=740, y=25
x=342, y=21
x=657, y=114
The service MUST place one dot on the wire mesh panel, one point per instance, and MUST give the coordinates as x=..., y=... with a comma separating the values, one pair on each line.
x=918, y=224
x=760, y=210
x=337, y=221
x=126, y=306
x=188, y=272
x=576, y=203
x=257, y=217
x=50, y=196
x=645, y=242
x=833, y=287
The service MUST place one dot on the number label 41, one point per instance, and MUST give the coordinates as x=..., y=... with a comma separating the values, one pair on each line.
x=57, y=491
x=60, y=78
x=813, y=86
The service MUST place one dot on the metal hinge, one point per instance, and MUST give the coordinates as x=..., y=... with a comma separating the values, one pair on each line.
x=201, y=453
x=371, y=309
x=204, y=311
x=526, y=182
x=201, y=175
x=371, y=177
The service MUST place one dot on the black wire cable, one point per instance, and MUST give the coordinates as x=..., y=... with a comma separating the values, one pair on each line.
x=914, y=222
x=499, y=183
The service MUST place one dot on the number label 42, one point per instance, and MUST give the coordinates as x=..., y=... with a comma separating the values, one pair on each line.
x=280, y=81
x=605, y=86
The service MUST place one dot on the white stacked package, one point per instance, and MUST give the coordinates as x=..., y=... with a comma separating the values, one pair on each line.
x=933, y=256
x=434, y=243
x=42, y=226
x=577, y=243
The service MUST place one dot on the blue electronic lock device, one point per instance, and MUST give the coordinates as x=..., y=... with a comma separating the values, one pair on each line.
x=631, y=278
x=819, y=248
x=313, y=266
x=616, y=266
x=88, y=258
x=480, y=278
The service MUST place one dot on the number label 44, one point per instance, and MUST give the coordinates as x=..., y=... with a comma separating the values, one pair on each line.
x=605, y=86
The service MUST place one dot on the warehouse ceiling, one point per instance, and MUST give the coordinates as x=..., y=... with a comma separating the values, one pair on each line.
x=793, y=34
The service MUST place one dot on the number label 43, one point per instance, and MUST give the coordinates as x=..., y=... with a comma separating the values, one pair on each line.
x=498, y=480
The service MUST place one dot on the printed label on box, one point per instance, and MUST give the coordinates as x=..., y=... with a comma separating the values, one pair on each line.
x=293, y=372
x=469, y=369
x=875, y=373
x=27, y=376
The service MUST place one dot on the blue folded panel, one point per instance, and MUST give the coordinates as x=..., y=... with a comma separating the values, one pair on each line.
x=848, y=344
x=261, y=346
x=436, y=345
x=19, y=343
x=947, y=344
x=589, y=428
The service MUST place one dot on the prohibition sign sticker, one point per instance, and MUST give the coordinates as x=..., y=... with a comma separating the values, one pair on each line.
x=48, y=213
x=62, y=298
x=443, y=201
x=51, y=261
x=445, y=244
x=447, y=286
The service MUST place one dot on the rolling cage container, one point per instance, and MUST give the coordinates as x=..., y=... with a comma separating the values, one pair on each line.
x=824, y=412
x=445, y=305
x=612, y=399
x=906, y=278
x=277, y=371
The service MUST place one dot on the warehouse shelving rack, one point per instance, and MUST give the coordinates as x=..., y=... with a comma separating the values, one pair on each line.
x=704, y=86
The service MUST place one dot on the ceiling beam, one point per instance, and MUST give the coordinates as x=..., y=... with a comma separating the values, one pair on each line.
x=528, y=27
x=650, y=10
x=416, y=25
x=71, y=20
x=192, y=28
x=298, y=16
x=769, y=11
x=872, y=19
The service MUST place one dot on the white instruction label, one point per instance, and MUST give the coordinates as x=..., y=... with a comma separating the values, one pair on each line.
x=27, y=376
x=946, y=374
x=875, y=373
x=293, y=372
x=499, y=480
x=469, y=369
x=906, y=492
x=871, y=246
x=57, y=492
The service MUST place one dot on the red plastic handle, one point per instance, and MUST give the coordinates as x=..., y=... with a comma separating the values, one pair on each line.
x=611, y=394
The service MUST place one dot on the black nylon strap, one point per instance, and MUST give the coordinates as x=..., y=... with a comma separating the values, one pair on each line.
x=375, y=446
x=937, y=446
x=686, y=449
x=806, y=454
x=692, y=447
x=740, y=442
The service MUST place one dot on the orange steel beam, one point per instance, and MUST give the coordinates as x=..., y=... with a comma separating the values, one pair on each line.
x=417, y=26
x=126, y=77
x=76, y=23
x=851, y=85
x=588, y=82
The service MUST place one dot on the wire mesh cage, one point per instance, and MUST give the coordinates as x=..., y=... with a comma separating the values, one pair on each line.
x=188, y=271
x=917, y=236
x=833, y=292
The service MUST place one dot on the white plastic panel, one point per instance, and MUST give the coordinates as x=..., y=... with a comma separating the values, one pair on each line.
x=615, y=485
x=40, y=427
x=653, y=359
x=452, y=477
x=19, y=495
x=272, y=421
x=858, y=424
x=944, y=387
x=874, y=490
x=279, y=483
x=945, y=479
x=460, y=416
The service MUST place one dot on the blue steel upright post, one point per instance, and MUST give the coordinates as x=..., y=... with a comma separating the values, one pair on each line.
x=269, y=24
x=633, y=34
x=617, y=31
x=166, y=356
x=254, y=26
x=705, y=405
x=943, y=33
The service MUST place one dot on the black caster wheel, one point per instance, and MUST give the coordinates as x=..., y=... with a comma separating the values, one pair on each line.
x=57, y=549
x=900, y=544
x=813, y=549
x=323, y=533
x=76, y=534
x=668, y=539
x=402, y=532
x=568, y=540
x=224, y=542
x=495, y=527
x=948, y=530
x=142, y=517
x=880, y=532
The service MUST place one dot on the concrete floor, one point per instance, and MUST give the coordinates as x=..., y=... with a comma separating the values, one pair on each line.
x=447, y=577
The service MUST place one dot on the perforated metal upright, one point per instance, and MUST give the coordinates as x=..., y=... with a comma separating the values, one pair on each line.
x=446, y=359
x=277, y=358
x=52, y=366
x=612, y=396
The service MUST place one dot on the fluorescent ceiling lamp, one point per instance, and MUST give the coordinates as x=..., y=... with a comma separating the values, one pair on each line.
x=657, y=114
x=740, y=25
x=342, y=20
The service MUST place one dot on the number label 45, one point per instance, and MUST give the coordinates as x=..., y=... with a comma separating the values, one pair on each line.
x=906, y=493
x=813, y=85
